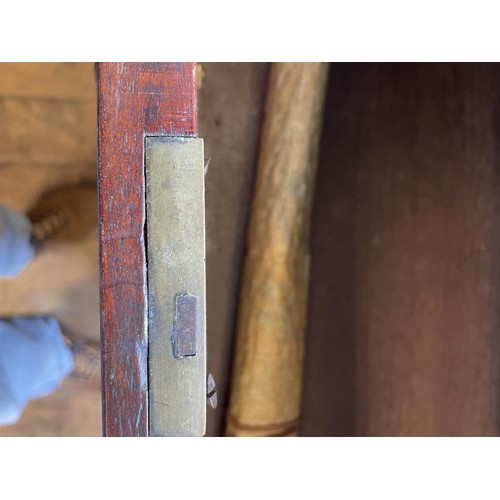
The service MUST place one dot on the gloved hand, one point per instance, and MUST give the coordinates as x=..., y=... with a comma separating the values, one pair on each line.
x=16, y=249
x=34, y=359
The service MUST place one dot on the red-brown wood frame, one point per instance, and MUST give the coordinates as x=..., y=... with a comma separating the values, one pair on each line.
x=134, y=100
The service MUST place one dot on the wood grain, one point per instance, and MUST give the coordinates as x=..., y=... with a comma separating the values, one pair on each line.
x=134, y=100
x=267, y=373
x=403, y=332
x=52, y=81
x=68, y=120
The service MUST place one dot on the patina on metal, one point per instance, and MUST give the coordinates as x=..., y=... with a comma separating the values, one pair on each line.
x=185, y=325
x=175, y=218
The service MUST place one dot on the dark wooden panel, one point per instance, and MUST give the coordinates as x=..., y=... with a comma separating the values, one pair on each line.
x=231, y=109
x=403, y=332
x=134, y=99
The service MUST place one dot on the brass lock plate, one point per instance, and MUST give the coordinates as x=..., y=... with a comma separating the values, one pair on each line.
x=175, y=223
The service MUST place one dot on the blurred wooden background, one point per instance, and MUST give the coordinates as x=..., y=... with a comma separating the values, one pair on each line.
x=403, y=324
x=48, y=139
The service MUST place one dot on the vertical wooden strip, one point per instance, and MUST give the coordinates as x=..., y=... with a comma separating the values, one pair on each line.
x=267, y=372
x=134, y=100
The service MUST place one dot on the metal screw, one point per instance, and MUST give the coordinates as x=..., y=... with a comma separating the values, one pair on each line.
x=211, y=391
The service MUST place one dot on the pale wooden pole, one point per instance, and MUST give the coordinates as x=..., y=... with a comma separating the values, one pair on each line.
x=267, y=375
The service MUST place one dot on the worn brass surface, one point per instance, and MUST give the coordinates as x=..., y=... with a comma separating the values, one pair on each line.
x=175, y=217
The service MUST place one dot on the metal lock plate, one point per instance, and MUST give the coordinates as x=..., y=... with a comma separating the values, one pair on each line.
x=175, y=219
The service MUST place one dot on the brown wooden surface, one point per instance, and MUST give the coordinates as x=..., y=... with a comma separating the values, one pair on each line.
x=403, y=330
x=134, y=99
x=267, y=372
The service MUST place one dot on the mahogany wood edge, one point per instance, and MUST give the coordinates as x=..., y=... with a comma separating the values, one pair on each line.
x=134, y=100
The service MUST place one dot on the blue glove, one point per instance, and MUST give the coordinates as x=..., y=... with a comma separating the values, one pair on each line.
x=34, y=359
x=16, y=250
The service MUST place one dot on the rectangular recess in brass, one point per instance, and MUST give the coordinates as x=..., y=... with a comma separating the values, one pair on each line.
x=175, y=221
x=185, y=325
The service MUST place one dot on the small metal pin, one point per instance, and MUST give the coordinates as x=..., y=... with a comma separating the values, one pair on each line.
x=207, y=163
x=211, y=391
